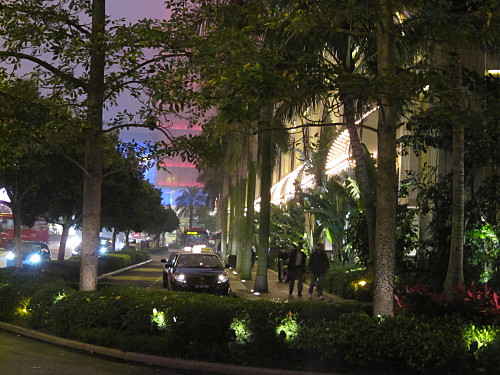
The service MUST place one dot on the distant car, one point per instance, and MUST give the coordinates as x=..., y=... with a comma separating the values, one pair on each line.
x=196, y=272
x=33, y=253
x=105, y=244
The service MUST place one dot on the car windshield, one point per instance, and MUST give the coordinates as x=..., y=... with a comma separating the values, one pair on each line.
x=198, y=260
x=28, y=247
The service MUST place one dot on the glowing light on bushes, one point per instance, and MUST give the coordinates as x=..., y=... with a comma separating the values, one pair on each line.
x=241, y=330
x=23, y=309
x=59, y=297
x=289, y=326
x=159, y=319
x=481, y=336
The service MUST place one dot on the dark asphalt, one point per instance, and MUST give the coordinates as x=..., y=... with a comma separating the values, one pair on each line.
x=21, y=355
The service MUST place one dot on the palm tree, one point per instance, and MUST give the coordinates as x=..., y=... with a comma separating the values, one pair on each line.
x=187, y=202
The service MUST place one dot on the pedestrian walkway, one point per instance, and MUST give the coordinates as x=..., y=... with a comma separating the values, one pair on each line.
x=277, y=291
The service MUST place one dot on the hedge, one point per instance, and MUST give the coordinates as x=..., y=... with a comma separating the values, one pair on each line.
x=298, y=335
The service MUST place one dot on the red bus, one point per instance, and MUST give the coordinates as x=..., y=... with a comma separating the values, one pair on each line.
x=38, y=232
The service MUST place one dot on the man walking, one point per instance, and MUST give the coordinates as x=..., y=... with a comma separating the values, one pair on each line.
x=318, y=265
x=296, y=268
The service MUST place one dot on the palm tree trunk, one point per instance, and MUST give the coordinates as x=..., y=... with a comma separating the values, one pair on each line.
x=239, y=238
x=224, y=217
x=385, y=236
x=93, y=159
x=246, y=272
x=362, y=176
x=261, y=285
x=232, y=218
x=243, y=251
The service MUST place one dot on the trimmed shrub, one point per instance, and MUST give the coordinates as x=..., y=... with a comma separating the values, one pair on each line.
x=136, y=256
x=404, y=345
x=41, y=302
x=345, y=282
x=296, y=335
x=17, y=286
x=111, y=262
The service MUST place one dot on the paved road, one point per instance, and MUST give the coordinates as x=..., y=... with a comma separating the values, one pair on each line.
x=25, y=356
x=148, y=276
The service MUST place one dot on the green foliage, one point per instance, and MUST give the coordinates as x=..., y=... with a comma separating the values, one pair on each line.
x=136, y=256
x=111, y=262
x=388, y=345
x=41, y=302
x=330, y=205
x=17, y=288
x=298, y=335
x=489, y=355
x=481, y=237
x=483, y=250
x=350, y=283
x=287, y=226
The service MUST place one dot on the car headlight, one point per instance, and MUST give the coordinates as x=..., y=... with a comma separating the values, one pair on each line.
x=35, y=258
x=102, y=250
x=10, y=255
x=223, y=278
x=181, y=278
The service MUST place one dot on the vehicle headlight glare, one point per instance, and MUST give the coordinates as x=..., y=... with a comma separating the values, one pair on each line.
x=10, y=255
x=35, y=258
x=180, y=278
x=223, y=278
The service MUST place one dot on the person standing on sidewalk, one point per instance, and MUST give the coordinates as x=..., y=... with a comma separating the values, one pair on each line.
x=296, y=268
x=318, y=265
x=282, y=264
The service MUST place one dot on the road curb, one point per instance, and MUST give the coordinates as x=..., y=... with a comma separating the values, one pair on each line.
x=173, y=363
x=122, y=270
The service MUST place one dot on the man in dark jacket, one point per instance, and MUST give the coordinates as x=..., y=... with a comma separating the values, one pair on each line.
x=296, y=268
x=318, y=265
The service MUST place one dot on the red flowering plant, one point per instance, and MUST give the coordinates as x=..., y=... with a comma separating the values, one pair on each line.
x=419, y=300
x=481, y=304
x=485, y=301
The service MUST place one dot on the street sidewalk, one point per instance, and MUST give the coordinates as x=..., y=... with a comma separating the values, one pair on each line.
x=277, y=291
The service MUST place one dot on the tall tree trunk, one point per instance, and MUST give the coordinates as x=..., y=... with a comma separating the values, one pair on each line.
x=261, y=285
x=115, y=235
x=224, y=217
x=455, y=273
x=246, y=272
x=385, y=237
x=243, y=250
x=362, y=176
x=16, y=221
x=232, y=217
x=239, y=222
x=92, y=180
x=191, y=214
x=127, y=242
x=66, y=225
